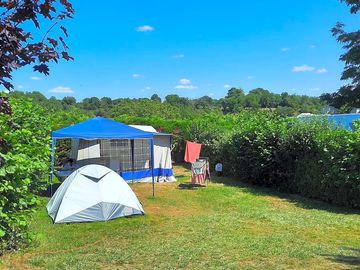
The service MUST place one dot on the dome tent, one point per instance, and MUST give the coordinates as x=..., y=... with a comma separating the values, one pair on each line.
x=93, y=193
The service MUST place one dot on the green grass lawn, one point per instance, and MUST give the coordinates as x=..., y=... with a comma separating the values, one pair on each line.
x=224, y=226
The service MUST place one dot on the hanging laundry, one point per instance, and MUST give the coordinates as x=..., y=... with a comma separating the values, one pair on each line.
x=192, y=152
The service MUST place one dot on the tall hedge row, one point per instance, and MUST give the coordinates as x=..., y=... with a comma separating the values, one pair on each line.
x=308, y=158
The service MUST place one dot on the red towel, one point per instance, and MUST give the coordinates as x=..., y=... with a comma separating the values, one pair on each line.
x=192, y=151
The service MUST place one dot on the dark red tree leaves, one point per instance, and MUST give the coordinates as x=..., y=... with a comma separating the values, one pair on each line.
x=66, y=56
x=353, y=4
x=5, y=106
x=64, y=30
x=42, y=68
x=17, y=46
x=348, y=95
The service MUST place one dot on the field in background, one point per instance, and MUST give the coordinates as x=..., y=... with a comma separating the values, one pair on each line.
x=224, y=226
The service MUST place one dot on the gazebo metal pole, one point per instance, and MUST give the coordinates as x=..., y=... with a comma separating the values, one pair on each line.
x=132, y=145
x=152, y=165
x=53, y=144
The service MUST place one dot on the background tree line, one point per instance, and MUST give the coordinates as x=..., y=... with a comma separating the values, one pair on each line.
x=174, y=107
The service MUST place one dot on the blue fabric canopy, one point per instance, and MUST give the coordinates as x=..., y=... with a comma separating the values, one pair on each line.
x=344, y=121
x=101, y=128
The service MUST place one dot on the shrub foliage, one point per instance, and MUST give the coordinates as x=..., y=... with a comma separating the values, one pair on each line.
x=24, y=155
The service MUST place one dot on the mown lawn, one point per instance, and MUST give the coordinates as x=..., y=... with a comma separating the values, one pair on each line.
x=223, y=226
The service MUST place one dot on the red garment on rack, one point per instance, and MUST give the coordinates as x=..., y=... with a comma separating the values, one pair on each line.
x=198, y=179
x=192, y=151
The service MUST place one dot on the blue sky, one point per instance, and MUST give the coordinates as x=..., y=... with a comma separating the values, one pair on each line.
x=134, y=48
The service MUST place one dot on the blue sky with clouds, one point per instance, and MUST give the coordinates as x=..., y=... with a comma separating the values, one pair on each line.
x=134, y=48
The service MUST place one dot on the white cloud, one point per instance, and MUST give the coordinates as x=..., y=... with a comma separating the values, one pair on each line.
x=227, y=86
x=185, y=81
x=136, y=75
x=211, y=94
x=285, y=49
x=34, y=78
x=315, y=89
x=303, y=68
x=178, y=56
x=250, y=77
x=61, y=90
x=185, y=84
x=144, y=28
x=189, y=87
x=146, y=89
x=321, y=70
x=20, y=86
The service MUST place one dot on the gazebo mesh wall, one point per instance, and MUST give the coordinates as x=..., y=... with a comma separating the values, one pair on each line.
x=118, y=154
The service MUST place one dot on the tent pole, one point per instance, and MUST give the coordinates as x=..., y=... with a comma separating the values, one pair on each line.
x=132, y=145
x=53, y=144
x=152, y=165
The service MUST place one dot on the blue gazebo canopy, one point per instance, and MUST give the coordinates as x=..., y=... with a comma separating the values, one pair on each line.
x=101, y=128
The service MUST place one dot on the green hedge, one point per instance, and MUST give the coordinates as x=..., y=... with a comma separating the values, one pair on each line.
x=24, y=162
x=311, y=159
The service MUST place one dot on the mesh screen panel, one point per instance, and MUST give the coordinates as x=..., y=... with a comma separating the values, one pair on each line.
x=117, y=154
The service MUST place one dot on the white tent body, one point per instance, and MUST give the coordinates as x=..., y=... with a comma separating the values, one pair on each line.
x=93, y=152
x=93, y=193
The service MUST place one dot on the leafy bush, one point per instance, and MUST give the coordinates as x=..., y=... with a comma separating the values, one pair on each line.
x=24, y=155
x=308, y=158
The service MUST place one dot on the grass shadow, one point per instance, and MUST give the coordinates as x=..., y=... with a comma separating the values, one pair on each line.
x=298, y=200
x=190, y=186
x=351, y=259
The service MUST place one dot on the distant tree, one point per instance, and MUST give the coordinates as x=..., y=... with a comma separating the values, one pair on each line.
x=285, y=100
x=105, y=100
x=155, y=97
x=235, y=92
x=204, y=103
x=92, y=103
x=175, y=100
x=53, y=99
x=106, y=104
x=265, y=98
x=68, y=101
x=20, y=47
x=252, y=101
x=234, y=101
x=348, y=95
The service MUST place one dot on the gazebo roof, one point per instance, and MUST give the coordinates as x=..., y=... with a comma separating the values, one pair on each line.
x=101, y=128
